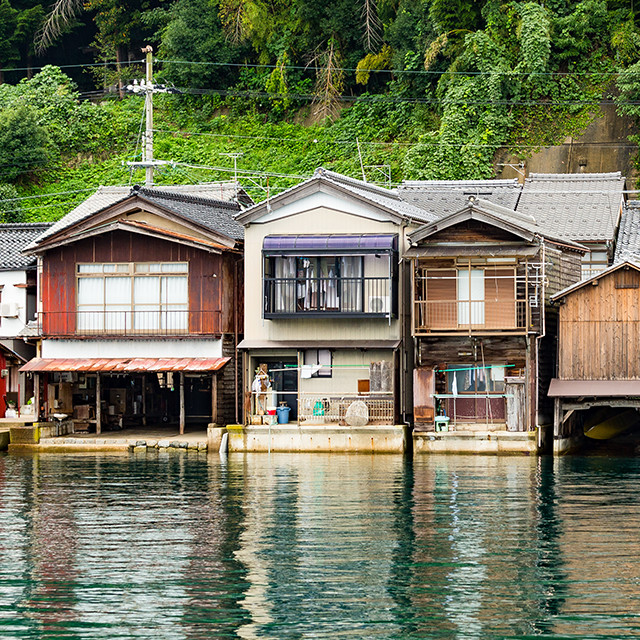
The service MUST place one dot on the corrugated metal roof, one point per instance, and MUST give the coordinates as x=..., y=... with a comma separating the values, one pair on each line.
x=582, y=207
x=125, y=365
x=590, y=388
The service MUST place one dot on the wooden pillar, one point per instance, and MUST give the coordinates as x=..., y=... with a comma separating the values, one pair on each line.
x=214, y=398
x=36, y=396
x=182, y=412
x=557, y=417
x=98, y=403
x=144, y=399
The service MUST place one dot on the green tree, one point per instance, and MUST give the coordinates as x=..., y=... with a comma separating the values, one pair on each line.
x=10, y=208
x=24, y=144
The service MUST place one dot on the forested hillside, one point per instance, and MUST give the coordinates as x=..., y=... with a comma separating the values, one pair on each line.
x=394, y=89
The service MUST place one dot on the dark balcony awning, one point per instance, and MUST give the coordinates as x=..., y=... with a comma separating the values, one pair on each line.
x=593, y=388
x=332, y=244
x=319, y=344
x=125, y=365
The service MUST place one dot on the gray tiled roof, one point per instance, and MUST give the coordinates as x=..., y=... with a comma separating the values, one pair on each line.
x=514, y=217
x=216, y=215
x=14, y=238
x=628, y=245
x=441, y=197
x=581, y=207
x=375, y=194
x=379, y=195
x=208, y=204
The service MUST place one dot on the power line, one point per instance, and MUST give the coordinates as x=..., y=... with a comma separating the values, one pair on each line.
x=399, y=71
x=379, y=98
x=392, y=143
x=84, y=65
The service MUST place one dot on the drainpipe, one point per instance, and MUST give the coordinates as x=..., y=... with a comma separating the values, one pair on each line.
x=543, y=289
x=235, y=339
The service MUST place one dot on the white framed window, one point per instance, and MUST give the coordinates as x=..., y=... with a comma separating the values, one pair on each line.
x=471, y=296
x=318, y=363
x=136, y=296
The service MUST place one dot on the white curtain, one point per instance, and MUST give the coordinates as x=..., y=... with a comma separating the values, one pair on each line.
x=351, y=294
x=471, y=296
x=90, y=304
x=285, y=288
x=146, y=303
x=175, y=302
x=118, y=303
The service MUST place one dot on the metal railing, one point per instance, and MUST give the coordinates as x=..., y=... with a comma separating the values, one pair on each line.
x=465, y=315
x=332, y=409
x=364, y=295
x=129, y=323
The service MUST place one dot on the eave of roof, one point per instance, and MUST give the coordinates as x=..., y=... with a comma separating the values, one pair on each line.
x=583, y=283
x=378, y=197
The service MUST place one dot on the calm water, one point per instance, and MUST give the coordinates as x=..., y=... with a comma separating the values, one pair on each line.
x=294, y=546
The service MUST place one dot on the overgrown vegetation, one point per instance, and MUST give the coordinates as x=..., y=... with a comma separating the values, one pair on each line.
x=431, y=89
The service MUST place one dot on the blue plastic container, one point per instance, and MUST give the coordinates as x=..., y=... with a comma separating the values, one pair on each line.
x=283, y=414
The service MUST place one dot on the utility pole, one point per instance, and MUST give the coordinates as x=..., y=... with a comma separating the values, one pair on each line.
x=147, y=87
x=148, y=106
x=235, y=155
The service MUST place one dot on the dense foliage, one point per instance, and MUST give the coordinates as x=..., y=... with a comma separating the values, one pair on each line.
x=431, y=88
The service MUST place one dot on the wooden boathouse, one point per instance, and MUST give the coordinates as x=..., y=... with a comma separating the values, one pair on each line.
x=597, y=388
x=140, y=311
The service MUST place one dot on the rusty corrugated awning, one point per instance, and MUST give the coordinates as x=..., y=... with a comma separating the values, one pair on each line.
x=591, y=388
x=125, y=365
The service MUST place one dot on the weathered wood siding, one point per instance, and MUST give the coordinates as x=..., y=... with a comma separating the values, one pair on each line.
x=600, y=329
x=563, y=268
x=207, y=279
x=473, y=231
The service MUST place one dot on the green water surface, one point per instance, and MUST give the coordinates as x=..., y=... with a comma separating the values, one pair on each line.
x=183, y=545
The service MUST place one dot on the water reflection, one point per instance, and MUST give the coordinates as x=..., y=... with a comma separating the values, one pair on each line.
x=292, y=546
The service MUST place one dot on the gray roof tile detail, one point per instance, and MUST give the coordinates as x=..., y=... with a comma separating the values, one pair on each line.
x=216, y=215
x=14, y=237
x=628, y=245
x=442, y=197
x=582, y=207
x=200, y=202
x=375, y=194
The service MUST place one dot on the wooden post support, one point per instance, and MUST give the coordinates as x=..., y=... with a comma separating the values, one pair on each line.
x=557, y=417
x=144, y=399
x=98, y=404
x=36, y=396
x=182, y=412
x=214, y=398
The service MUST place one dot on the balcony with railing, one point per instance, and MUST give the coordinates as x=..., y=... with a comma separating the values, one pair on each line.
x=332, y=296
x=138, y=323
x=464, y=316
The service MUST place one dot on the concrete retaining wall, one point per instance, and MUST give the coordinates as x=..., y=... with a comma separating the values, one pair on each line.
x=494, y=442
x=293, y=438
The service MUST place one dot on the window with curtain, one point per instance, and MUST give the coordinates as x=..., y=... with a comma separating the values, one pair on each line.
x=327, y=283
x=118, y=297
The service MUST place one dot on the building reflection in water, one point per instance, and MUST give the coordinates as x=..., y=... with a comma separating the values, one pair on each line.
x=189, y=546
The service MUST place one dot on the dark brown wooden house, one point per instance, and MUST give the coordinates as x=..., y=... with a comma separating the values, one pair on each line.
x=483, y=329
x=598, y=376
x=140, y=311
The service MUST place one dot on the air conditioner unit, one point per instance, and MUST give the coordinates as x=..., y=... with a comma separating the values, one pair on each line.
x=379, y=304
x=9, y=310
